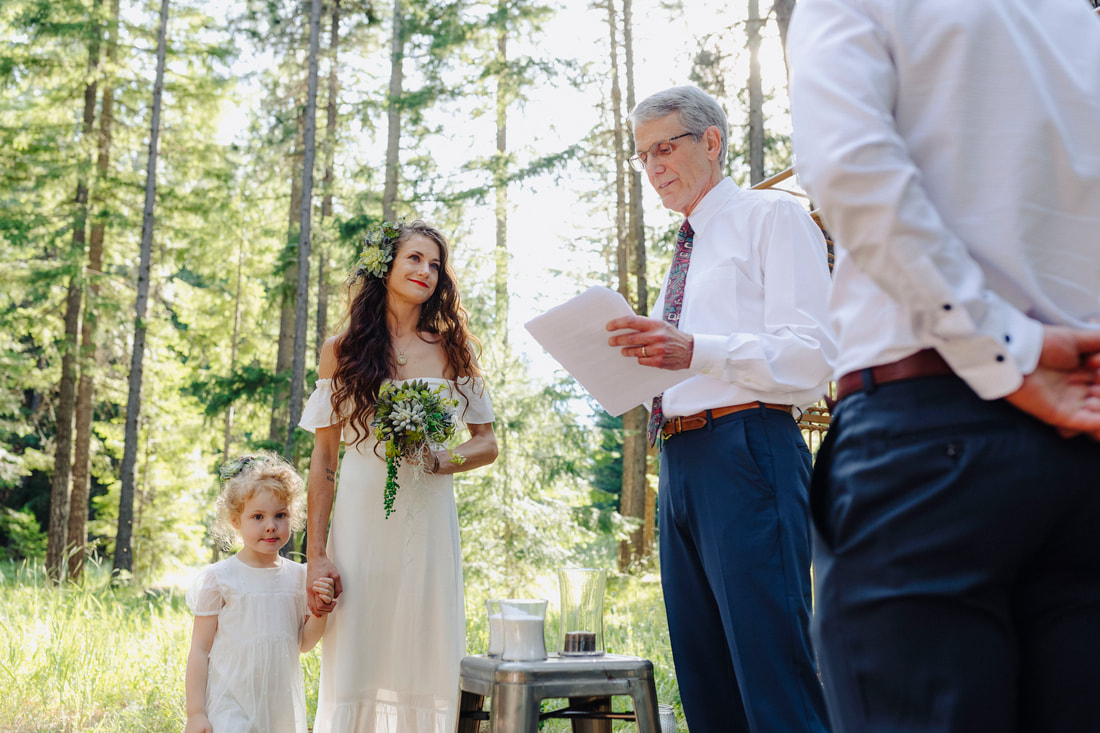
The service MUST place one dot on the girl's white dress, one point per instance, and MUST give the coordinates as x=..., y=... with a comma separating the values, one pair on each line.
x=254, y=683
x=390, y=655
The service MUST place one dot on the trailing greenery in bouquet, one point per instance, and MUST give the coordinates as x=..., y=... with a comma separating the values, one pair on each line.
x=408, y=419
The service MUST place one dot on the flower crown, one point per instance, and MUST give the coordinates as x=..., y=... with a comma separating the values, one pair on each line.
x=236, y=467
x=378, y=250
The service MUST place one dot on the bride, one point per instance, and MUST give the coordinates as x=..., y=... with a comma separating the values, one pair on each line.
x=390, y=655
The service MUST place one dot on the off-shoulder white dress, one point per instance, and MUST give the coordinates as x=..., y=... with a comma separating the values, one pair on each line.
x=390, y=654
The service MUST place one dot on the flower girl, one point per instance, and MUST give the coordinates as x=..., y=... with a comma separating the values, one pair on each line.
x=251, y=619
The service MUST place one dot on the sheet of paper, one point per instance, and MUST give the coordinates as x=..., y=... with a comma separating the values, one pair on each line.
x=574, y=333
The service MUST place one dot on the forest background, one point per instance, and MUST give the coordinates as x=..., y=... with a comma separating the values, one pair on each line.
x=184, y=187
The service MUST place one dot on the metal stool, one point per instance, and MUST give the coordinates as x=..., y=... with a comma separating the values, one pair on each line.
x=516, y=689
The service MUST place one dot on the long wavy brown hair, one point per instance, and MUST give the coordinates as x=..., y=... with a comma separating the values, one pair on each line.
x=365, y=356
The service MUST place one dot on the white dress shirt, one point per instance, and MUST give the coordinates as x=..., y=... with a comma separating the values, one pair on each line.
x=755, y=302
x=954, y=150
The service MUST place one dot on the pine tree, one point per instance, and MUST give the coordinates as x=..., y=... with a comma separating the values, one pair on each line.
x=123, y=561
x=393, y=112
x=756, y=95
x=66, y=405
x=85, y=394
x=301, y=314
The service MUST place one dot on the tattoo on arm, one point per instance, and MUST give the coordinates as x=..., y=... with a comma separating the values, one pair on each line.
x=330, y=475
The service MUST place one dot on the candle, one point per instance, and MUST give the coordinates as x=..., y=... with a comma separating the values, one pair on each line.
x=523, y=640
x=579, y=642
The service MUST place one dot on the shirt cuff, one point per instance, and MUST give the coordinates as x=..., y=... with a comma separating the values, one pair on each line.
x=708, y=355
x=995, y=367
x=993, y=355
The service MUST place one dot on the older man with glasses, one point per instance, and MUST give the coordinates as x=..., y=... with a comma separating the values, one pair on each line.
x=744, y=308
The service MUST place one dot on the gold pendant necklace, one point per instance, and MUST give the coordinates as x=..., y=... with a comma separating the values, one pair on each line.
x=402, y=360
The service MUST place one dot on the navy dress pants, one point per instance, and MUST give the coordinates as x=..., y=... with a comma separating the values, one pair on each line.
x=957, y=566
x=735, y=570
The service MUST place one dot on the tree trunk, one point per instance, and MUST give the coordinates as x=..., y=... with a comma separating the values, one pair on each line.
x=631, y=501
x=783, y=10
x=500, y=174
x=756, y=95
x=89, y=356
x=124, y=558
x=57, y=532
x=234, y=349
x=284, y=354
x=393, y=114
x=622, y=249
x=301, y=311
x=328, y=180
x=501, y=302
x=639, y=466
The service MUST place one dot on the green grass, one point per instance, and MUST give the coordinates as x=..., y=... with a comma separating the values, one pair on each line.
x=97, y=658
x=90, y=658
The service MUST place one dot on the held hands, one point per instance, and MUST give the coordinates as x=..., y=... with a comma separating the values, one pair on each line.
x=325, y=588
x=198, y=723
x=652, y=342
x=1064, y=389
x=323, y=585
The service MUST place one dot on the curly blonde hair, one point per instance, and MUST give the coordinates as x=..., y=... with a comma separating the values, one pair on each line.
x=246, y=476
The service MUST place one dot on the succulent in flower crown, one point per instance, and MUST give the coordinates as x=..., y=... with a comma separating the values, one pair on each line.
x=378, y=250
x=236, y=467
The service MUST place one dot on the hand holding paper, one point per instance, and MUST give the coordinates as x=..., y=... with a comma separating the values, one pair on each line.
x=575, y=333
x=652, y=342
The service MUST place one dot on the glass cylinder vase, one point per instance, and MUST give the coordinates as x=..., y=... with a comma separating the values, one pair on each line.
x=582, y=593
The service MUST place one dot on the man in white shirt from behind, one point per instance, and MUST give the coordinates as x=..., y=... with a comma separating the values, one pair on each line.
x=734, y=542
x=954, y=150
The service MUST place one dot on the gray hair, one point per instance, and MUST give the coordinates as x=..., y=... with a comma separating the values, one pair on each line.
x=698, y=111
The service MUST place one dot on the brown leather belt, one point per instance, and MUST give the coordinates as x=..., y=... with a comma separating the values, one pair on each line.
x=694, y=422
x=926, y=363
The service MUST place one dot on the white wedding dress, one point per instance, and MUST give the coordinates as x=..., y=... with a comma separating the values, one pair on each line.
x=390, y=654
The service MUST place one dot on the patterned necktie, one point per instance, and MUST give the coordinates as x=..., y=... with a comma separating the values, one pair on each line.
x=674, y=300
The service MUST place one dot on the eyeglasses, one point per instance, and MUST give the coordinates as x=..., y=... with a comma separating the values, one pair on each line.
x=658, y=150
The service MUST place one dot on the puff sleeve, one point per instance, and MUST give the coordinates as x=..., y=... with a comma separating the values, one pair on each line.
x=204, y=597
x=318, y=412
x=480, y=406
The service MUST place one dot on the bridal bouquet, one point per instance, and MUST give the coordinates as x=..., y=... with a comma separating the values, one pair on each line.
x=408, y=419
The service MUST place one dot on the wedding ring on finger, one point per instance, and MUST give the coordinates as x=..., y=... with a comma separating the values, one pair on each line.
x=643, y=351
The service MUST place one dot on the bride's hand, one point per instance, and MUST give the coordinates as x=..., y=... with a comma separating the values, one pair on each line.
x=430, y=459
